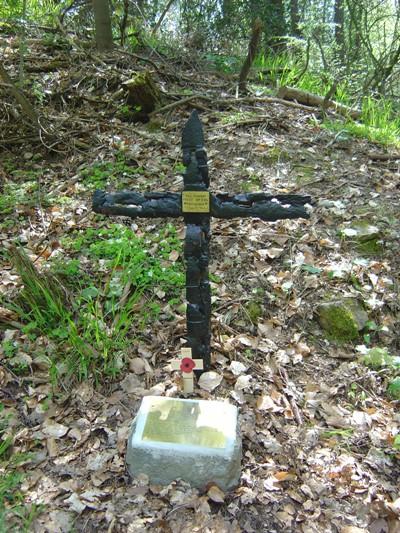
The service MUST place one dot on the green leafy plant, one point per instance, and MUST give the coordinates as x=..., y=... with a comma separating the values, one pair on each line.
x=356, y=394
x=15, y=196
x=311, y=269
x=105, y=173
x=15, y=514
x=379, y=123
x=394, y=388
x=344, y=433
x=377, y=358
x=224, y=63
x=179, y=168
x=92, y=321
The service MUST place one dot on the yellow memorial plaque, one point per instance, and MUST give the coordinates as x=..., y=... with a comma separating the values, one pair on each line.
x=195, y=202
x=190, y=423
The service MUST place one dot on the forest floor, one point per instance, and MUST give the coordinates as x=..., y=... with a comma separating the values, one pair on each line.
x=319, y=430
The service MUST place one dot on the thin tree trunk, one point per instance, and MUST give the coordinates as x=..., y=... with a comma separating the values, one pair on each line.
x=338, y=19
x=295, y=18
x=162, y=16
x=102, y=19
x=22, y=44
x=251, y=54
x=124, y=22
x=19, y=96
x=276, y=27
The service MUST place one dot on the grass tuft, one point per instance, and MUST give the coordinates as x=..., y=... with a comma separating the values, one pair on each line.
x=94, y=323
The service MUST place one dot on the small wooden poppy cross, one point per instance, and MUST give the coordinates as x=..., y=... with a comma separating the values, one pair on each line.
x=186, y=364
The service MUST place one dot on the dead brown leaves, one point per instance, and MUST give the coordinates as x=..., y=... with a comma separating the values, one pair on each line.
x=318, y=450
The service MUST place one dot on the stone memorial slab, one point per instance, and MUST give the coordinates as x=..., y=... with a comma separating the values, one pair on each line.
x=194, y=440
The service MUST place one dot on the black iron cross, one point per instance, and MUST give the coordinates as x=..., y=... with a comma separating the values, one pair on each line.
x=196, y=204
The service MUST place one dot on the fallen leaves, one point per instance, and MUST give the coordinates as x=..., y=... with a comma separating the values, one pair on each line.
x=209, y=381
x=51, y=428
x=339, y=466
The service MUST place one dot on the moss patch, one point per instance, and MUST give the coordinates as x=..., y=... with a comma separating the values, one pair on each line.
x=342, y=320
x=275, y=154
x=304, y=174
x=371, y=247
x=364, y=236
x=378, y=358
x=254, y=310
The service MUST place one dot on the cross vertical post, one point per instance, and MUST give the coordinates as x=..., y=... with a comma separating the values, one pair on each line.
x=196, y=204
x=196, y=214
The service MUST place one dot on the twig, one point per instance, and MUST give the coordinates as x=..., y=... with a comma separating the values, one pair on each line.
x=141, y=58
x=178, y=103
x=293, y=405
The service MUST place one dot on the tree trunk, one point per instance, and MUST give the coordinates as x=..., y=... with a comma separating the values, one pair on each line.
x=338, y=19
x=102, y=19
x=162, y=16
x=124, y=22
x=275, y=25
x=251, y=54
x=295, y=18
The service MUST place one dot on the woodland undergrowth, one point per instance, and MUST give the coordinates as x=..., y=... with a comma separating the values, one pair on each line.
x=92, y=309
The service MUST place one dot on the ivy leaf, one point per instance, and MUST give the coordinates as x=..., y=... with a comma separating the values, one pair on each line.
x=89, y=293
x=311, y=269
x=394, y=391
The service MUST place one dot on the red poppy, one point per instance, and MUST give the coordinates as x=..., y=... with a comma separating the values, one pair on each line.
x=187, y=365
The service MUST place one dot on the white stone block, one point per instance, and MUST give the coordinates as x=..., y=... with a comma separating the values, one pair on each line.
x=195, y=440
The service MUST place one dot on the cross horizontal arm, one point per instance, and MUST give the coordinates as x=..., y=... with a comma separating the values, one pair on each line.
x=159, y=204
x=260, y=205
x=133, y=204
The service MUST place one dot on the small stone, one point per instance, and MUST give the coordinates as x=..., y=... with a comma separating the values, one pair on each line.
x=364, y=231
x=75, y=503
x=215, y=494
x=137, y=365
x=242, y=382
x=366, y=237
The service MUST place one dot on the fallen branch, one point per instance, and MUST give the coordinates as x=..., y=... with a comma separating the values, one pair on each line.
x=178, y=103
x=310, y=99
x=375, y=156
x=233, y=101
